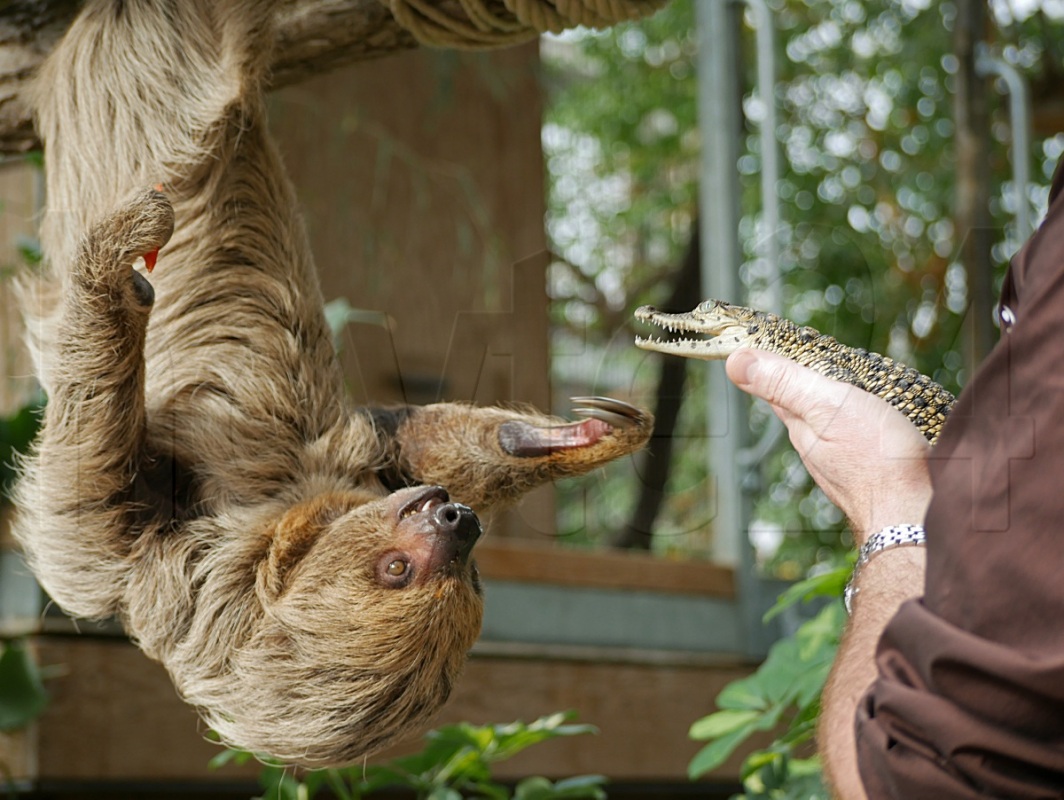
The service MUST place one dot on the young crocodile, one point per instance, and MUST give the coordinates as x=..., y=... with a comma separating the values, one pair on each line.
x=730, y=327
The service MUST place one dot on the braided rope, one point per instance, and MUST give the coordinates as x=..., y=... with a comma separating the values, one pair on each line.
x=479, y=24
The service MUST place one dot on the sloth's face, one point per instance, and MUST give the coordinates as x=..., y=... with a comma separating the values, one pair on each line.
x=432, y=540
x=370, y=606
x=387, y=547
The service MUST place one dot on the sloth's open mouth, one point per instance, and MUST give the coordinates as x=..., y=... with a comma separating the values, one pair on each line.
x=424, y=501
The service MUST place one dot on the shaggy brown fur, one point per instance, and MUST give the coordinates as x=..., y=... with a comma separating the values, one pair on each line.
x=293, y=563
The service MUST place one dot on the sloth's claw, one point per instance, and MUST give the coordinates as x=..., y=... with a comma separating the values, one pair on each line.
x=615, y=413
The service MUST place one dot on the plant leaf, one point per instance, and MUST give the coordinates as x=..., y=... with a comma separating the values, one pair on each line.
x=583, y=787
x=721, y=723
x=444, y=793
x=716, y=752
x=580, y=781
x=229, y=756
x=22, y=694
x=795, y=669
x=16, y=433
x=755, y=761
x=514, y=737
x=826, y=584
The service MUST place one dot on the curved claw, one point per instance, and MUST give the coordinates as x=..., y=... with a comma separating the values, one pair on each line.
x=615, y=413
x=611, y=419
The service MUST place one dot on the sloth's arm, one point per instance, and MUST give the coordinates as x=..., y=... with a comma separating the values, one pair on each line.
x=491, y=456
x=95, y=421
x=79, y=490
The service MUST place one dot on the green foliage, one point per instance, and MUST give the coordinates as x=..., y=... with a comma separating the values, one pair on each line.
x=829, y=583
x=22, y=694
x=622, y=149
x=621, y=143
x=783, y=695
x=18, y=430
x=29, y=250
x=35, y=158
x=456, y=760
x=868, y=247
x=16, y=433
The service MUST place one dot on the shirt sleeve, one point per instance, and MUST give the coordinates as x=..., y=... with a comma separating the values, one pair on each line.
x=969, y=699
x=954, y=715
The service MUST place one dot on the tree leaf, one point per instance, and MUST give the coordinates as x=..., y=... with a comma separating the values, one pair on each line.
x=514, y=737
x=743, y=694
x=229, y=756
x=532, y=789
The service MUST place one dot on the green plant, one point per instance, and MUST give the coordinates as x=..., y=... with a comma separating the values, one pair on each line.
x=782, y=695
x=22, y=694
x=455, y=762
x=17, y=431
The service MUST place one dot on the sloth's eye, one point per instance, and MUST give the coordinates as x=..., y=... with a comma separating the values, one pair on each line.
x=395, y=570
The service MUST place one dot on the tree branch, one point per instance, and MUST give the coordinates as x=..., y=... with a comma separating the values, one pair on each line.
x=314, y=36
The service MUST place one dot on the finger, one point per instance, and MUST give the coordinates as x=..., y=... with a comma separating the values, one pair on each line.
x=784, y=383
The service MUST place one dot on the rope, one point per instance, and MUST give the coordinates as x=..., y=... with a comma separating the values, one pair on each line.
x=478, y=24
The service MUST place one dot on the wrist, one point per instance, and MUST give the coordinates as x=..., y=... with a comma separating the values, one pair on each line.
x=893, y=513
x=898, y=494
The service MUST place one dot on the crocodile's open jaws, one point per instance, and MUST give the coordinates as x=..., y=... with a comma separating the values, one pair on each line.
x=725, y=329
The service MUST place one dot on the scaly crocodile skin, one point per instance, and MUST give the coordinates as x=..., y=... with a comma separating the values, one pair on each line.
x=729, y=328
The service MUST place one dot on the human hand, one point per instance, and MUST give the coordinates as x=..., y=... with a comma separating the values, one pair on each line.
x=864, y=454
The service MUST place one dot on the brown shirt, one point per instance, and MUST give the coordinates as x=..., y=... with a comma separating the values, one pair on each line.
x=970, y=696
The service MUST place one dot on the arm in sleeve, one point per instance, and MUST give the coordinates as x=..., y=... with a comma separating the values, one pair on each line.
x=969, y=698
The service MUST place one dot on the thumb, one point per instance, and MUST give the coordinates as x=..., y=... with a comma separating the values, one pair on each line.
x=782, y=382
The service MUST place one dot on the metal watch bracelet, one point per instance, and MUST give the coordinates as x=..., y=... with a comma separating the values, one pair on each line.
x=886, y=539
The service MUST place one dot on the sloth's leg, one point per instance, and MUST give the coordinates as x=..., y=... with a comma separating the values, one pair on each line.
x=487, y=457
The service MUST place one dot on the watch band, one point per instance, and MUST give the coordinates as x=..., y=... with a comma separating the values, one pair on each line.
x=886, y=539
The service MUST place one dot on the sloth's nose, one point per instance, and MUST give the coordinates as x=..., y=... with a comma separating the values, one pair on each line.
x=459, y=522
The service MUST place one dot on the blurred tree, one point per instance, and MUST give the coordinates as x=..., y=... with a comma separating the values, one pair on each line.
x=668, y=402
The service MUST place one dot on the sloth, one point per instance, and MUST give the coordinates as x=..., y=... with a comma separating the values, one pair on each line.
x=302, y=569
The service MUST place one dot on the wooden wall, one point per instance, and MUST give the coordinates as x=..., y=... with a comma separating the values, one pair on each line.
x=114, y=717
x=423, y=184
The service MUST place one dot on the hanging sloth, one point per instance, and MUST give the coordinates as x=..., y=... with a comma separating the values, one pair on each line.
x=302, y=569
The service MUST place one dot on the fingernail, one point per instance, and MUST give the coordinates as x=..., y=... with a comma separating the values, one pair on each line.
x=742, y=367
